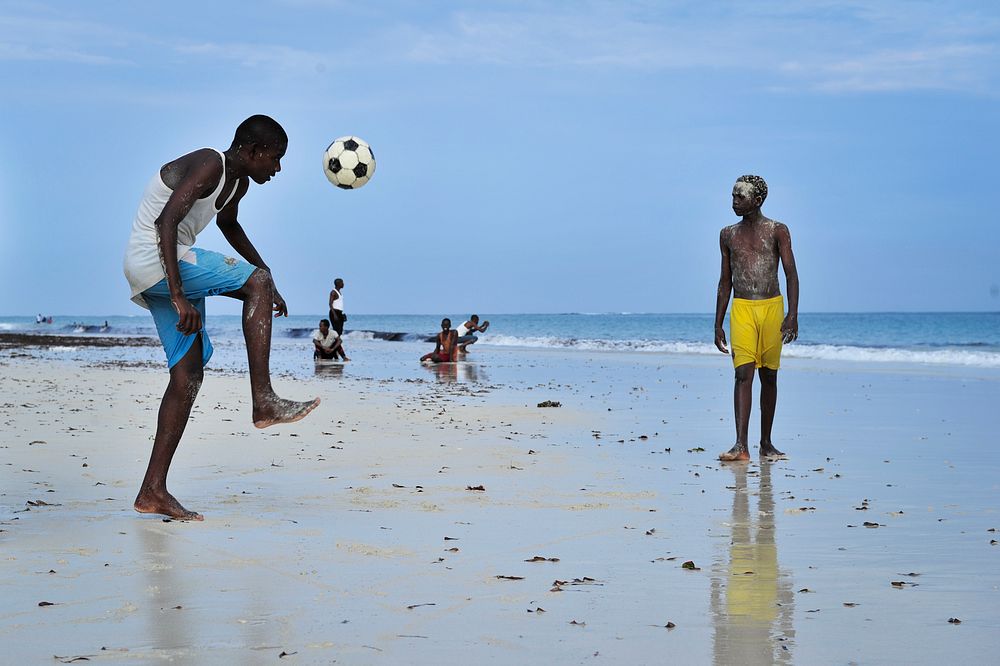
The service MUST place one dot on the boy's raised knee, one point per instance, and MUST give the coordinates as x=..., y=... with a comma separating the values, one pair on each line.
x=260, y=280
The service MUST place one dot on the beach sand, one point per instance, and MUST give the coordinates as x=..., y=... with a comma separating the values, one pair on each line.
x=360, y=535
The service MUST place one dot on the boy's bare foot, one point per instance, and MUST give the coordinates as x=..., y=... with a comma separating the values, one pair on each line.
x=739, y=453
x=278, y=410
x=164, y=504
x=770, y=454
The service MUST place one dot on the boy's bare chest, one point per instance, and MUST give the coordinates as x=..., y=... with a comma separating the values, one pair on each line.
x=752, y=245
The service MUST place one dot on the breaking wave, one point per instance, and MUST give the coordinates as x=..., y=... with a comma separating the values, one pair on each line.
x=959, y=355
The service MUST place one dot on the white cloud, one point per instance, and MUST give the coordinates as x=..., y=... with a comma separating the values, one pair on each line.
x=274, y=56
x=821, y=46
x=56, y=39
x=956, y=68
x=25, y=52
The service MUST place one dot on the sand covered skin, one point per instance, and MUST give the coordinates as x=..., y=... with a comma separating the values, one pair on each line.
x=445, y=515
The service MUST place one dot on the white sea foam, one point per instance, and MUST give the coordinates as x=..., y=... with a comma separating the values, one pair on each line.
x=552, y=342
x=983, y=359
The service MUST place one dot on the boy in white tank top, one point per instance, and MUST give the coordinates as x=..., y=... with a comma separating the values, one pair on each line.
x=465, y=329
x=171, y=277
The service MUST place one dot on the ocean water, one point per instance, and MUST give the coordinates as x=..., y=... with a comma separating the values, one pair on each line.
x=958, y=339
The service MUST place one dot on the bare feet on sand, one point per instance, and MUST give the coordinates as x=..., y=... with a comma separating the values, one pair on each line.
x=739, y=453
x=770, y=454
x=278, y=410
x=164, y=504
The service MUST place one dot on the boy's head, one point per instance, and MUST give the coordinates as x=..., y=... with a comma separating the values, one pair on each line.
x=324, y=326
x=474, y=319
x=261, y=130
x=445, y=324
x=757, y=186
x=338, y=283
x=260, y=143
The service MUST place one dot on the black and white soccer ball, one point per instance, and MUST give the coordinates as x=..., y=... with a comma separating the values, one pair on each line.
x=349, y=162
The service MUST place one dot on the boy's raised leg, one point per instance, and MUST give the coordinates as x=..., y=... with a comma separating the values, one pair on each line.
x=257, y=294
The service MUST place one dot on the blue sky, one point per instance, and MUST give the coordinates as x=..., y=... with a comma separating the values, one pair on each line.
x=532, y=156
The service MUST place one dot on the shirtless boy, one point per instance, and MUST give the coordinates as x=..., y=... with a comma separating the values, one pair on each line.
x=445, y=344
x=171, y=278
x=758, y=325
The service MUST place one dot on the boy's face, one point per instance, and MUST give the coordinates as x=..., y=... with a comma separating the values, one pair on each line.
x=324, y=328
x=744, y=198
x=446, y=324
x=265, y=162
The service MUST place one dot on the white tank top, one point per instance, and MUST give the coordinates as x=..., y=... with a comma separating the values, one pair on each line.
x=338, y=303
x=462, y=330
x=142, y=263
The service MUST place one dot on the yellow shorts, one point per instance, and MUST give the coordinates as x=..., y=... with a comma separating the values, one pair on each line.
x=755, y=331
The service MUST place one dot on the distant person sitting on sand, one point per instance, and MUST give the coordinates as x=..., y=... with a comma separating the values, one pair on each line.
x=465, y=337
x=326, y=343
x=758, y=325
x=171, y=278
x=445, y=344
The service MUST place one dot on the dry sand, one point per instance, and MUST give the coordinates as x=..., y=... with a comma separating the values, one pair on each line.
x=359, y=536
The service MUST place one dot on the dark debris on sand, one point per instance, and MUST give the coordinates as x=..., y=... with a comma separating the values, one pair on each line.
x=20, y=340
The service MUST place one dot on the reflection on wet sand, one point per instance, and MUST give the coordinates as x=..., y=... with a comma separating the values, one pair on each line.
x=179, y=600
x=752, y=599
x=168, y=626
x=462, y=371
x=329, y=369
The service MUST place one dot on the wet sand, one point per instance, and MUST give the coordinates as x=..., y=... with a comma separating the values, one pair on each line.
x=360, y=535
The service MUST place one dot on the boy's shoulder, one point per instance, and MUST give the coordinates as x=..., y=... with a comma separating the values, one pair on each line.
x=199, y=156
x=778, y=226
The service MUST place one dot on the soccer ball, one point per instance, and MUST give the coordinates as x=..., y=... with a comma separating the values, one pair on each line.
x=349, y=163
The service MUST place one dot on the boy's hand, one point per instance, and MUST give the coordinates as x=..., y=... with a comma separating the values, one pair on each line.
x=789, y=329
x=280, y=309
x=720, y=340
x=188, y=317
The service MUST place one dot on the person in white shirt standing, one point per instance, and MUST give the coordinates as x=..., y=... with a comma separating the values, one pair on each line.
x=337, y=315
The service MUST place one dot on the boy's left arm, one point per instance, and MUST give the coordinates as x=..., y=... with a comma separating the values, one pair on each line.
x=233, y=231
x=790, y=327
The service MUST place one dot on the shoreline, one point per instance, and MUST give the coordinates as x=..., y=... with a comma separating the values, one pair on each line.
x=357, y=534
x=19, y=340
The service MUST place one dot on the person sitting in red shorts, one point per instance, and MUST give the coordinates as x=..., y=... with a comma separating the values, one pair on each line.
x=445, y=344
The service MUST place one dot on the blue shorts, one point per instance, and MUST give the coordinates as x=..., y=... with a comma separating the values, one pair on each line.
x=211, y=274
